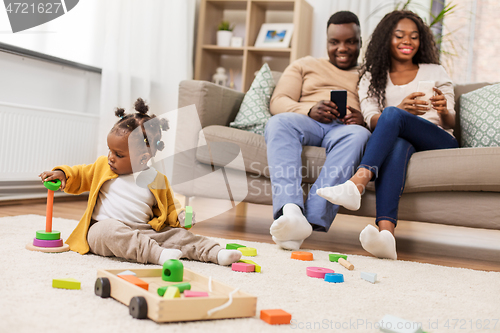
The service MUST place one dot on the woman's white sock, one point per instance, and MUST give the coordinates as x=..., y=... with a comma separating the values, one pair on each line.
x=346, y=195
x=227, y=257
x=381, y=244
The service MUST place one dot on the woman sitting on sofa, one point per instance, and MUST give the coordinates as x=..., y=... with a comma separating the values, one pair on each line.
x=401, y=120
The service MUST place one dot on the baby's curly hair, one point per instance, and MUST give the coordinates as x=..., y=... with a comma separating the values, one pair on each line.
x=378, y=54
x=150, y=124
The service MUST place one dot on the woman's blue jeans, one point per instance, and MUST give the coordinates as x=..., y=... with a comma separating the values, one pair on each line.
x=396, y=137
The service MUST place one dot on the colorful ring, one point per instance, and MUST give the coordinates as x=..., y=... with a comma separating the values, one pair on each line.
x=52, y=185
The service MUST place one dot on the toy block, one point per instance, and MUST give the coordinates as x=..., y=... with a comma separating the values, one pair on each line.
x=318, y=272
x=190, y=293
x=392, y=324
x=275, y=316
x=335, y=257
x=66, y=283
x=248, y=251
x=127, y=272
x=334, y=277
x=44, y=235
x=135, y=280
x=300, y=255
x=370, y=277
x=173, y=271
x=233, y=246
x=258, y=269
x=172, y=292
x=181, y=286
x=242, y=267
x=188, y=217
x=47, y=243
x=346, y=264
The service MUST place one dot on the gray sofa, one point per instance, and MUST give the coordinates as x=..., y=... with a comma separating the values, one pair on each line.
x=457, y=187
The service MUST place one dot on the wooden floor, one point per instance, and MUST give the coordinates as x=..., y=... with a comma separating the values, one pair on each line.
x=252, y=225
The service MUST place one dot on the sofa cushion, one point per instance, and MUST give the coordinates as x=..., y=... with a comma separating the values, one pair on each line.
x=480, y=117
x=254, y=110
x=462, y=169
x=254, y=151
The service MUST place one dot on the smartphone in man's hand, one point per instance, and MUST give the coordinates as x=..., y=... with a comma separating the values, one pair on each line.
x=339, y=97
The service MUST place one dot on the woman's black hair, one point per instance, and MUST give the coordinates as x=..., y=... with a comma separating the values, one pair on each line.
x=378, y=54
x=150, y=124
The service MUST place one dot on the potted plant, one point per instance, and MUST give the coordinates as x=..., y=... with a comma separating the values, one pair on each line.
x=224, y=34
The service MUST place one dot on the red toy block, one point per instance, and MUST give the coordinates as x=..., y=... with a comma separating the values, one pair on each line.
x=242, y=267
x=275, y=316
x=135, y=280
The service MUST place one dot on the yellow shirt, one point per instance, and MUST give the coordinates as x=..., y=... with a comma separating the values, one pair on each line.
x=309, y=80
x=90, y=178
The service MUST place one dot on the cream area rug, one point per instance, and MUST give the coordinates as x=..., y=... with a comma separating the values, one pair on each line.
x=442, y=299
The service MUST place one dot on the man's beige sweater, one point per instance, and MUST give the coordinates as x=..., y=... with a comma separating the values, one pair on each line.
x=309, y=80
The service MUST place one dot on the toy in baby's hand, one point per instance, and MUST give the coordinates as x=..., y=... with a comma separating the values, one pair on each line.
x=186, y=218
x=49, y=240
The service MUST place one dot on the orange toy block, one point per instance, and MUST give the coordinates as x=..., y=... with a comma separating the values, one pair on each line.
x=275, y=316
x=301, y=255
x=135, y=280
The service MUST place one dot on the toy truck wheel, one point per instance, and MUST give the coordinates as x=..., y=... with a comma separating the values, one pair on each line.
x=138, y=307
x=102, y=287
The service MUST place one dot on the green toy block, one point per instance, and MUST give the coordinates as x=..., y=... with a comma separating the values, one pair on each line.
x=258, y=269
x=181, y=286
x=66, y=283
x=52, y=184
x=189, y=217
x=173, y=271
x=233, y=246
x=44, y=235
x=335, y=257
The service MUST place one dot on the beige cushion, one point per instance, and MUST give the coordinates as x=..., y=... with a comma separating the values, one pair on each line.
x=254, y=151
x=462, y=169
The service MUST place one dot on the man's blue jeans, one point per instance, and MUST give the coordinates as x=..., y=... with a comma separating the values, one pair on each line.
x=286, y=133
x=396, y=137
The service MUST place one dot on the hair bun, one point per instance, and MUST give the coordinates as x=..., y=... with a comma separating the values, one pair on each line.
x=140, y=106
x=120, y=112
x=164, y=124
x=160, y=145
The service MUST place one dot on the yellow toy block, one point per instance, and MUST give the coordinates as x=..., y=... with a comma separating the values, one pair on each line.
x=248, y=251
x=246, y=261
x=172, y=292
x=66, y=283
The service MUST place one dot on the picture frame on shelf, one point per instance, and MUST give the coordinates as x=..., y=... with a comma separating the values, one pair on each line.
x=275, y=35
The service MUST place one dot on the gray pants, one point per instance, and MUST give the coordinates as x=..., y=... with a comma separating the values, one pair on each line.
x=141, y=243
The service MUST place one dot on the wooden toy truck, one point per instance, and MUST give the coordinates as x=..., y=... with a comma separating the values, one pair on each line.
x=148, y=304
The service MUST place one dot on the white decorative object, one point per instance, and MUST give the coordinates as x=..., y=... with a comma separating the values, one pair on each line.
x=236, y=41
x=220, y=76
x=224, y=38
x=275, y=35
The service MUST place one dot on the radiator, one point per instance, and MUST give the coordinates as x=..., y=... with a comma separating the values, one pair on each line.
x=34, y=139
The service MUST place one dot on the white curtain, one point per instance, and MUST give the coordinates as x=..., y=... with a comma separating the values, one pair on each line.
x=369, y=12
x=148, y=50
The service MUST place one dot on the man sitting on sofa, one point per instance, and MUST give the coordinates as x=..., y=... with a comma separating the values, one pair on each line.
x=304, y=115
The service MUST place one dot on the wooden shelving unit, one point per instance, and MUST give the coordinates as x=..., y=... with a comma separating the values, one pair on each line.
x=248, y=59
